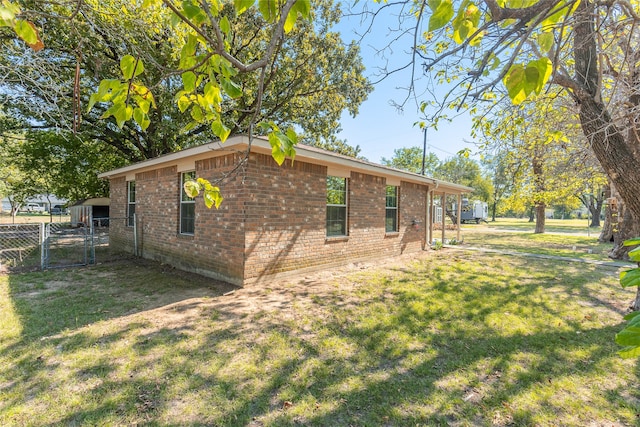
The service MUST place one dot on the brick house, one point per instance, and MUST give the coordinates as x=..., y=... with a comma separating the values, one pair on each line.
x=321, y=210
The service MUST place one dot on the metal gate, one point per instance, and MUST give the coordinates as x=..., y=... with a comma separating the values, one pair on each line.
x=20, y=246
x=68, y=244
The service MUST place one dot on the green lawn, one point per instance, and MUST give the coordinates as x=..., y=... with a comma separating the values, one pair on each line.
x=444, y=338
x=551, y=225
x=566, y=238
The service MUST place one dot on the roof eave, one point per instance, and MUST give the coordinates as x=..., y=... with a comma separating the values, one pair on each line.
x=303, y=153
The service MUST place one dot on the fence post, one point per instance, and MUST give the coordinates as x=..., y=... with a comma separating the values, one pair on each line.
x=43, y=242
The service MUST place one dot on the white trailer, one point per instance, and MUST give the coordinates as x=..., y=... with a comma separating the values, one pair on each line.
x=474, y=212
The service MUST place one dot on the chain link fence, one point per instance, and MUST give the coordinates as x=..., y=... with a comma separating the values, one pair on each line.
x=21, y=245
x=83, y=241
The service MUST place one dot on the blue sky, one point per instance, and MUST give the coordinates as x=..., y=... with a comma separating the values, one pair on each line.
x=379, y=127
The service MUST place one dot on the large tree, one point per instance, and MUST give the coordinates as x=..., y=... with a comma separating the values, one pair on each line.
x=542, y=148
x=411, y=159
x=459, y=169
x=502, y=178
x=466, y=171
x=485, y=47
x=307, y=78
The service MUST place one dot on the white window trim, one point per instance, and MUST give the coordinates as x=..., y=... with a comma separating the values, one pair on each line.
x=129, y=202
x=346, y=209
x=182, y=201
x=396, y=208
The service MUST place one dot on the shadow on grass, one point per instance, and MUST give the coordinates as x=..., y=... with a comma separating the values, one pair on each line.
x=418, y=345
x=52, y=301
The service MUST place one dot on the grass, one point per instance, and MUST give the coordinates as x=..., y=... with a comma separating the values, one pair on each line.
x=551, y=225
x=444, y=338
x=31, y=217
x=565, y=238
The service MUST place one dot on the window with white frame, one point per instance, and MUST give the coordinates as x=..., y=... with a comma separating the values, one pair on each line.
x=187, y=206
x=131, y=202
x=336, y=206
x=391, y=210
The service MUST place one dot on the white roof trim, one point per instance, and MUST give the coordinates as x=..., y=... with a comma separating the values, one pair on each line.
x=303, y=153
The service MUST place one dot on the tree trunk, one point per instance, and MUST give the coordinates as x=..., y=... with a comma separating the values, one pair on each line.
x=540, y=218
x=532, y=214
x=606, y=234
x=595, y=208
x=494, y=206
x=625, y=228
x=614, y=152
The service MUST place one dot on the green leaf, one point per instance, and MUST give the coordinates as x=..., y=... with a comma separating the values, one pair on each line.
x=231, y=88
x=276, y=151
x=121, y=112
x=293, y=139
x=225, y=26
x=188, y=52
x=92, y=101
x=630, y=278
x=461, y=30
x=183, y=102
x=27, y=32
x=193, y=12
x=441, y=15
x=8, y=12
x=141, y=118
x=545, y=68
x=634, y=321
x=634, y=255
x=514, y=81
x=131, y=67
x=632, y=315
x=191, y=188
x=212, y=95
x=189, y=81
x=268, y=9
x=144, y=105
x=304, y=8
x=545, y=41
x=290, y=22
x=282, y=145
x=632, y=242
x=629, y=336
x=105, y=92
x=220, y=130
x=212, y=197
x=629, y=352
x=242, y=5
x=265, y=126
x=532, y=76
x=196, y=113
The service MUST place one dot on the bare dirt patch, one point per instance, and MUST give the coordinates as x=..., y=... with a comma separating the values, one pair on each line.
x=194, y=296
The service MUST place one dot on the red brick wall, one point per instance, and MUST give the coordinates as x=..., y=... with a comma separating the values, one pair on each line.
x=218, y=242
x=286, y=214
x=271, y=221
x=216, y=247
x=120, y=236
x=412, y=222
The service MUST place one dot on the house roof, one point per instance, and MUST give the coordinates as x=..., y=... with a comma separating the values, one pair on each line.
x=304, y=153
x=94, y=201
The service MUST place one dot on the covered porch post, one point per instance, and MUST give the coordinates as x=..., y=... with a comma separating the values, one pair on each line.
x=429, y=217
x=459, y=215
x=443, y=203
